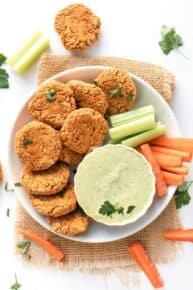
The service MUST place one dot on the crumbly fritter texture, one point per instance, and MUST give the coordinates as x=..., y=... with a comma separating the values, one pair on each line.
x=71, y=224
x=1, y=173
x=45, y=182
x=52, y=109
x=89, y=96
x=77, y=26
x=112, y=79
x=83, y=130
x=55, y=205
x=70, y=157
x=38, y=145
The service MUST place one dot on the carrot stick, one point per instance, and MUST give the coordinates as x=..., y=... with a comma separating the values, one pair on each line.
x=145, y=263
x=161, y=188
x=186, y=156
x=184, y=144
x=173, y=179
x=139, y=150
x=46, y=245
x=182, y=170
x=179, y=235
x=167, y=160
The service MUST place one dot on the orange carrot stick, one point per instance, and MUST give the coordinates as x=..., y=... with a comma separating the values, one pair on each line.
x=161, y=188
x=138, y=150
x=145, y=263
x=186, y=156
x=54, y=251
x=184, y=144
x=179, y=235
x=182, y=170
x=167, y=160
x=173, y=179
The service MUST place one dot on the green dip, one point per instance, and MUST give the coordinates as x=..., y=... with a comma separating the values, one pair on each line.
x=119, y=175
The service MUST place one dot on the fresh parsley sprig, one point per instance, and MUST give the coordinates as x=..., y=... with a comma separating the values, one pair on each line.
x=107, y=208
x=4, y=82
x=170, y=40
x=23, y=246
x=182, y=196
x=16, y=285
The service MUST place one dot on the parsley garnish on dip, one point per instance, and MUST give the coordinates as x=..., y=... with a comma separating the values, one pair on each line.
x=114, y=185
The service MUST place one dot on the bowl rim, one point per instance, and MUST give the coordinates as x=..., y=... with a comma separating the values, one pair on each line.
x=10, y=141
x=152, y=193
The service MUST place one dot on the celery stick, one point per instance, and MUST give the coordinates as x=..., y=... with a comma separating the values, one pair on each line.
x=144, y=137
x=31, y=55
x=24, y=48
x=111, y=141
x=119, y=119
x=133, y=127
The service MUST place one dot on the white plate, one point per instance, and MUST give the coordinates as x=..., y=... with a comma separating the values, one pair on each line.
x=99, y=233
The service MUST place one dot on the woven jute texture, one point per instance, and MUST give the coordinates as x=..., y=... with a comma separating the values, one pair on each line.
x=107, y=257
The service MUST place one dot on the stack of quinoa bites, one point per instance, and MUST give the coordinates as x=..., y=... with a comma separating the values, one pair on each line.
x=68, y=122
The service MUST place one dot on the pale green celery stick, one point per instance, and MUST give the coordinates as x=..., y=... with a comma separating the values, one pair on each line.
x=144, y=137
x=111, y=141
x=119, y=119
x=31, y=55
x=24, y=48
x=133, y=127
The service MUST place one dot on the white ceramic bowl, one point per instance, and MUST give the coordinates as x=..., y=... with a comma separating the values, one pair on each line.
x=97, y=232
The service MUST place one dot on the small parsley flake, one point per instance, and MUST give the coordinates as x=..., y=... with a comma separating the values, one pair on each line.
x=51, y=95
x=115, y=93
x=27, y=141
x=130, y=208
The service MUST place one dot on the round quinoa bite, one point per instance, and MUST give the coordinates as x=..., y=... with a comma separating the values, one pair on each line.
x=83, y=130
x=71, y=224
x=70, y=157
x=119, y=88
x=38, y=145
x=45, y=182
x=89, y=96
x=51, y=103
x=77, y=26
x=57, y=204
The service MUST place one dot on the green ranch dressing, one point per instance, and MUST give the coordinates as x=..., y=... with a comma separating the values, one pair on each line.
x=118, y=174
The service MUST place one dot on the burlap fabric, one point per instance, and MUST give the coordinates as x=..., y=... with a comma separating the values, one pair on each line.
x=109, y=257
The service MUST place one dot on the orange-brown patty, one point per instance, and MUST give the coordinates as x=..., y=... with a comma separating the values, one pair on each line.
x=38, y=145
x=57, y=204
x=119, y=88
x=71, y=224
x=51, y=103
x=83, y=130
x=69, y=157
x=45, y=182
x=89, y=96
x=77, y=26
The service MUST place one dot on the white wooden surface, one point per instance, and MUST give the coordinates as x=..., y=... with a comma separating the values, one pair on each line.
x=129, y=29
